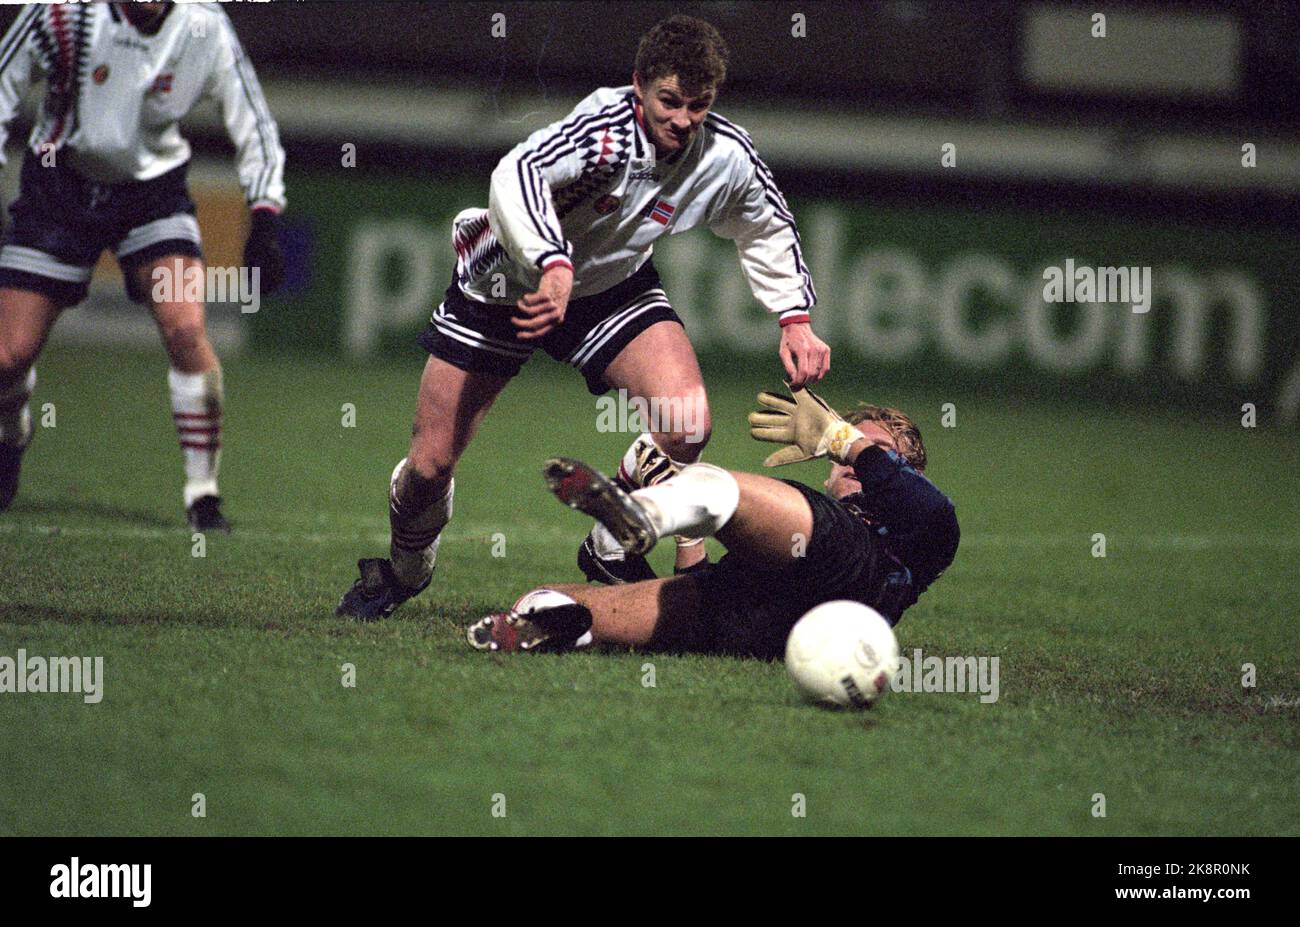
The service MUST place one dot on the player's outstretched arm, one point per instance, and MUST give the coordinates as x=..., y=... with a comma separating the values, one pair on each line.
x=921, y=520
x=758, y=220
x=248, y=120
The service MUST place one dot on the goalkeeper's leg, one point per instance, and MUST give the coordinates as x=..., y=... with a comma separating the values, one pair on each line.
x=760, y=519
x=771, y=524
x=567, y=616
x=757, y=517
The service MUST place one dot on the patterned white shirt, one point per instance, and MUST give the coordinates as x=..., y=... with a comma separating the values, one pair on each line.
x=588, y=190
x=115, y=94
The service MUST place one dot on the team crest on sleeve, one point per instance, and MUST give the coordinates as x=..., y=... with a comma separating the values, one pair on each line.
x=606, y=204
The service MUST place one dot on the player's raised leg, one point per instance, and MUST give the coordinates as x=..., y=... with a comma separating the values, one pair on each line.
x=757, y=516
x=194, y=383
x=660, y=373
x=25, y=321
x=451, y=406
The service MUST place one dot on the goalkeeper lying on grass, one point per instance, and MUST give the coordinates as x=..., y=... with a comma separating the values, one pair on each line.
x=880, y=535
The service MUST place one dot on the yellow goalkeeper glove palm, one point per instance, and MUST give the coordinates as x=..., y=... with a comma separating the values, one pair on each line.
x=806, y=423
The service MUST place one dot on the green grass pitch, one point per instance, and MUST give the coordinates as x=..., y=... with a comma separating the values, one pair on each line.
x=1119, y=675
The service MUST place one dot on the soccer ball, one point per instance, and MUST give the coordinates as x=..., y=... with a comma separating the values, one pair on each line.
x=842, y=653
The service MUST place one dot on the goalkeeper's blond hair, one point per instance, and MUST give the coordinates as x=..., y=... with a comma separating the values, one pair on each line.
x=907, y=437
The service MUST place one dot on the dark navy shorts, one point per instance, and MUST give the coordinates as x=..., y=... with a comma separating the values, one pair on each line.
x=62, y=222
x=747, y=608
x=478, y=337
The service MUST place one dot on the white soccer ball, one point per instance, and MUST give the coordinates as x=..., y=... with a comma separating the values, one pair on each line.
x=842, y=653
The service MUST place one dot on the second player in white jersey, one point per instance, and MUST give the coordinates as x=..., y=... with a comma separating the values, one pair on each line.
x=105, y=168
x=116, y=94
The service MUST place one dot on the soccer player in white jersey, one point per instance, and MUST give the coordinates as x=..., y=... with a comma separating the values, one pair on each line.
x=560, y=260
x=105, y=168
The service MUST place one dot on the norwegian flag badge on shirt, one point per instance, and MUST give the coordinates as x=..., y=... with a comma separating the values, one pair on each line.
x=661, y=211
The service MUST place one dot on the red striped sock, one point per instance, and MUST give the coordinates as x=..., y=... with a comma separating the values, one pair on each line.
x=196, y=409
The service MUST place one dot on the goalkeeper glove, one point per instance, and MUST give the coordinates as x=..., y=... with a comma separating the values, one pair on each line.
x=806, y=423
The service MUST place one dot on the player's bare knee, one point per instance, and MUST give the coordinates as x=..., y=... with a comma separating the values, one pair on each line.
x=696, y=423
x=686, y=442
x=681, y=422
x=684, y=447
x=19, y=346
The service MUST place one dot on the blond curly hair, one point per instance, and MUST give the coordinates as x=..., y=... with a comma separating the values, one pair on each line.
x=907, y=437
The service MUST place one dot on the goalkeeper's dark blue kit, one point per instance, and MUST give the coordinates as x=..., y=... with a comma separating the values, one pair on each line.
x=882, y=546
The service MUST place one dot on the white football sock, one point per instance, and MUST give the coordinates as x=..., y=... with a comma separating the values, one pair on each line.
x=197, y=399
x=15, y=418
x=416, y=533
x=695, y=503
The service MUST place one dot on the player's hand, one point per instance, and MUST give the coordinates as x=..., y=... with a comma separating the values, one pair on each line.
x=542, y=311
x=263, y=249
x=806, y=357
x=806, y=423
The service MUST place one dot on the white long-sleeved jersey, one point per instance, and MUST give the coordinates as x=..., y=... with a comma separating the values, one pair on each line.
x=588, y=190
x=115, y=95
